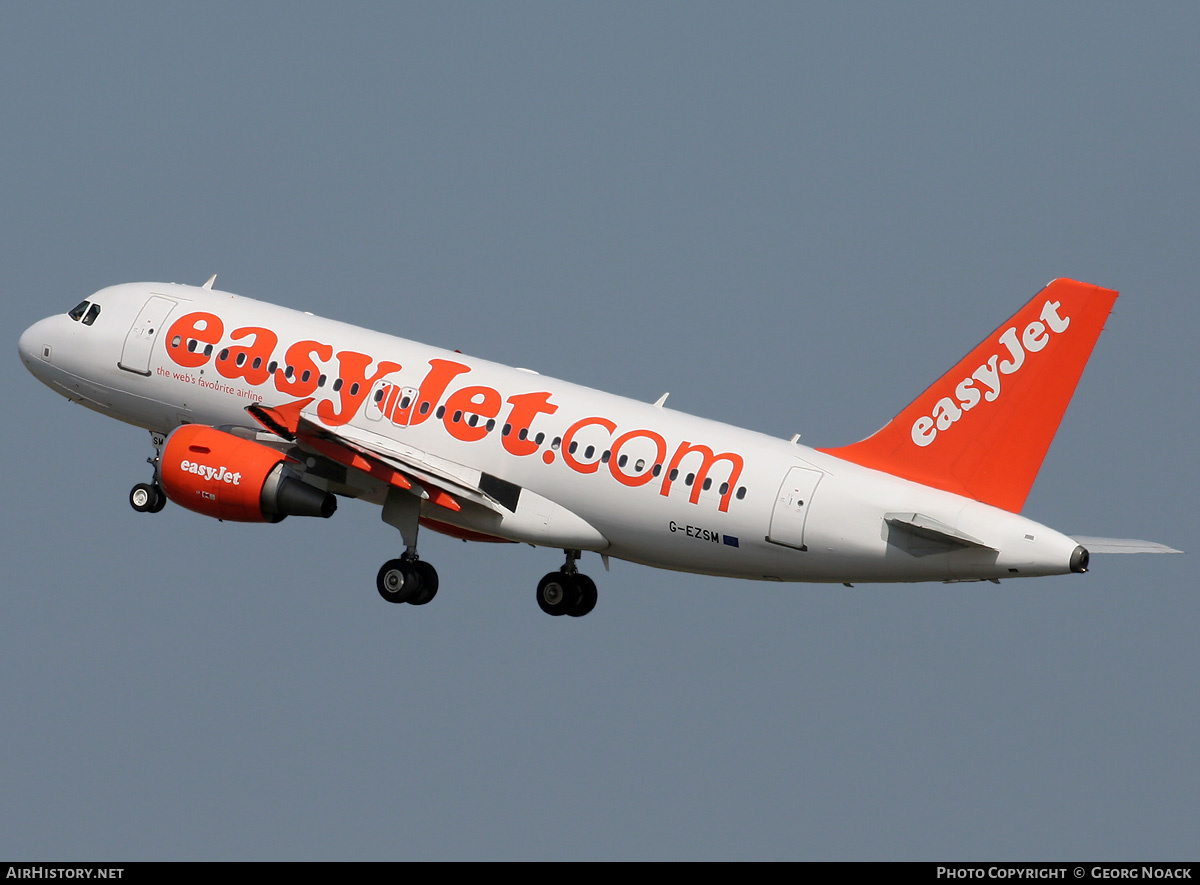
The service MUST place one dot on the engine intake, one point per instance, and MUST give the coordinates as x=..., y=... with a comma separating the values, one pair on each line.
x=226, y=477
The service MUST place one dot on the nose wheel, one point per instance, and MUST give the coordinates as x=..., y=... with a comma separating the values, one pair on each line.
x=149, y=497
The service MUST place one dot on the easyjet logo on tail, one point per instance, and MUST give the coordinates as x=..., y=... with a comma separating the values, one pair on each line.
x=1015, y=384
x=984, y=384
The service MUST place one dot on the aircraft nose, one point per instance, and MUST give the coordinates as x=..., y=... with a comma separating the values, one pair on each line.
x=35, y=347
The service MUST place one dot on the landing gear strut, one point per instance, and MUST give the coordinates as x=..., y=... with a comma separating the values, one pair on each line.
x=407, y=579
x=149, y=497
x=567, y=591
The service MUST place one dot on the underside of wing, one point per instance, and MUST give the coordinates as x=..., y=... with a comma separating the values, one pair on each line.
x=404, y=467
x=473, y=503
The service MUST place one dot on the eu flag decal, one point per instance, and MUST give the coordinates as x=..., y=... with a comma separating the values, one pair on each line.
x=730, y=540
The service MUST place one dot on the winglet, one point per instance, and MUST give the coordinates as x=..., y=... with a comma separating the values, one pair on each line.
x=983, y=428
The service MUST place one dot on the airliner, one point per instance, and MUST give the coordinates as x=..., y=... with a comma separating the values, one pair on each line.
x=258, y=412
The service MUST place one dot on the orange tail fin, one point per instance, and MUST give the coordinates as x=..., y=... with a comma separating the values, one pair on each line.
x=983, y=428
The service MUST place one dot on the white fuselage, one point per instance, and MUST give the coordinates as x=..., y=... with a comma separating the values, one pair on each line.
x=629, y=479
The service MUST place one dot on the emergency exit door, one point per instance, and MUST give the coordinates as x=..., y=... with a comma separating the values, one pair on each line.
x=146, y=329
x=792, y=506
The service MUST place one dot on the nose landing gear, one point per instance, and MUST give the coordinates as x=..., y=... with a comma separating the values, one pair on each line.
x=150, y=497
x=147, y=498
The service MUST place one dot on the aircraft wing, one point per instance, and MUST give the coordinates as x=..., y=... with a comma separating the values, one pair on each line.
x=442, y=482
x=1122, y=545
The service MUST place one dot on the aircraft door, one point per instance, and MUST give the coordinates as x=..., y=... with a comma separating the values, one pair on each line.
x=405, y=404
x=383, y=402
x=792, y=506
x=379, y=400
x=146, y=329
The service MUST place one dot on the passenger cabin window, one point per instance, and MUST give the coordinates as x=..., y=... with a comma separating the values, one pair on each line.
x=93, y=312
x=78, y=310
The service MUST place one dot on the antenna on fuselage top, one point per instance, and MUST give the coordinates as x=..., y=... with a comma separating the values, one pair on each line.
x=662, y=399
x=211, y=280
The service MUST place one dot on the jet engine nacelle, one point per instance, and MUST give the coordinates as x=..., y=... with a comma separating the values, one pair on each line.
x=226, y=477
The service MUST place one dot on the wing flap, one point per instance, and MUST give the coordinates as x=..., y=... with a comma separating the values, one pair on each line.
x=442, y=482
x=432, y=473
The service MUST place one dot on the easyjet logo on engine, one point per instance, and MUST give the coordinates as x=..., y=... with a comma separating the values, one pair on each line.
x=983, y=385
x=219, y=474
x=468, y=412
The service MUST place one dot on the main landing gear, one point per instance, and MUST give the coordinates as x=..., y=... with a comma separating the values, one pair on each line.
x=149, y=497
x=407, y=579
x=412, y=580
x=567, y=591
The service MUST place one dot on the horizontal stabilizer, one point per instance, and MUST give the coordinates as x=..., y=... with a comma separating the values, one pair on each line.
x=1122, y=545
x=931, y=529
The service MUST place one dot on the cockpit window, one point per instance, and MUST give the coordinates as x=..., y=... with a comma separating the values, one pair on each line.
x=92, y=313
x=77, y=311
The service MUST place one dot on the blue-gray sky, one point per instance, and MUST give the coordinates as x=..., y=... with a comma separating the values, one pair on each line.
x=793, y=217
